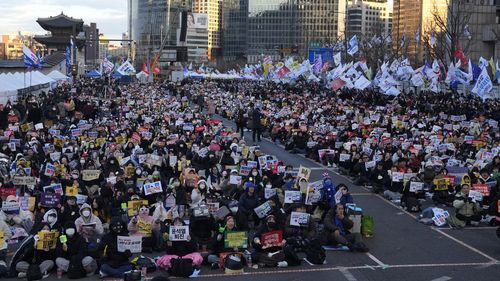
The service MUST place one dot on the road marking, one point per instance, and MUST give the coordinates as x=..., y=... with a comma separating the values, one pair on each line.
x=348, y=275
x=474, y=228
x=377, y=261
x=442, y=278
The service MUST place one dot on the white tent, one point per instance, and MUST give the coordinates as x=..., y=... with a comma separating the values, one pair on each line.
x=58, y=76
x=8, y=90
x=142, y=76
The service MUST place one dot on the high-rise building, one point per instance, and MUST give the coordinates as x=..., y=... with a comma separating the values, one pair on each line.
x=150, y=21
x=278, y=28
x=414, y=19
x=13, y=48
x=213, y=9
x=91, y=44
x=368, y=18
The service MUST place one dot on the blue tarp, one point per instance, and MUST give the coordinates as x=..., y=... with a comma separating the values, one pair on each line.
x=94, y=73
x=116, y=75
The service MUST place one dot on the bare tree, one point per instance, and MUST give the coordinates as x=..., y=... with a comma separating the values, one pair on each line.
x=448, y=26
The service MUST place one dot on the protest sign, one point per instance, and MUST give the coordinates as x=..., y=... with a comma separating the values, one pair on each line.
x=154, y=187
x=235, y=179
x=416, y=186
x=482, y=188
x=10, y=207
x=271, y=239
x=343, y=157
x=169, y=201
x=313, y=192
x=440, y=184
x=57, y=188
x=397, y=177
x=55, y=156
x=213, y=207
x=27, y=203
x=4, y=192
x=154, y=160
x=80, y=199
x=304, y=172
x=133, y=206
x=47, y=240
x=370, y=164
x=440, y=216
x=475, y=195
x=269, y=192
x=245, y=170
x=90, y=175
x=236, y=239
x=262, y=161
x=50, y=199
x=172, y=160
x=132, y=243
x=263, y=210
x=178, y=233
x=49, y=170
x=71, y=190
x=252, y=164
x=292, y=196
x=299, y=219
x=338, y=196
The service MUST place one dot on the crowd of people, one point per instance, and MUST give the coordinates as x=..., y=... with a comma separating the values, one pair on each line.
x=88, y=182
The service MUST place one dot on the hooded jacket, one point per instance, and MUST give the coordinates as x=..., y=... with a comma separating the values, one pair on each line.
x=56, y=225
x=77, y=246
x=91, y=220
x=109, y=246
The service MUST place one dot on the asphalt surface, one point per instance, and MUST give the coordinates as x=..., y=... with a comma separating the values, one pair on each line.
x=401, y=249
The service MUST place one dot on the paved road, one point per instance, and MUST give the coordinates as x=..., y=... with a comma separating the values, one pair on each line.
x=401, y=249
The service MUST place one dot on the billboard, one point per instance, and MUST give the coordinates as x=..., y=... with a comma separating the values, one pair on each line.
x=197, y=20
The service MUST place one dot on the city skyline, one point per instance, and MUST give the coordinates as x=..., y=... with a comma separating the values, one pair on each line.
x=110, y=15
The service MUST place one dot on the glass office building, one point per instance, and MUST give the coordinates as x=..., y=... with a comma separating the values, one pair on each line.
x=234, y=28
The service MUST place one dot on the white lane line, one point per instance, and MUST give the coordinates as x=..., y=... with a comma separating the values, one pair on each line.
x=348, y=275
x=377, y=261
x=442, y=278
x=473, y=228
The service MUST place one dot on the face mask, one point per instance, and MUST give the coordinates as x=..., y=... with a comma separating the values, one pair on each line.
x=82, y=162
x=74, y=176
x=269, y=186
x=70, y=232
x=176, y=184
x=254, y=174
x=51, y=219
x=202, y=186
x=86, y=213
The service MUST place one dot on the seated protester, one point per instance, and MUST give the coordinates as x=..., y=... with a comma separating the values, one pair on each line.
x=114, y=263
x=143, y=225
x=70, y=210
x=379, y=178
x=410, y=199
x=276, y=210
x=88, y=225
x=268, y=255
x=74, y=250
x=218, y=244
x=466, y=208
x=44, y=258
x=337, y=226
x=246, y=205
x=442, y=194
x=299, y=237
x=201, y=227
x=22, y=219
x=346, y=196
x=393, y=190
x=362, y=175
x=180, y=249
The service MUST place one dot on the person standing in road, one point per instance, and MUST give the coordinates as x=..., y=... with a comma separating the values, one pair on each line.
x=256, y=125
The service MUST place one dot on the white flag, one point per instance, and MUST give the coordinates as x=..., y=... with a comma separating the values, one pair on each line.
x=126, y=68
x=483, y=84
x=353, y=46
x=337, y=59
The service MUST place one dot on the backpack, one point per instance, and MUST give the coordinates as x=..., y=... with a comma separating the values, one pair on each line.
x=367, y=226
x=34, y=272
x=145, y=262
x=75, y=269
x=181, y=267
x=233, y=261
x=315, y=254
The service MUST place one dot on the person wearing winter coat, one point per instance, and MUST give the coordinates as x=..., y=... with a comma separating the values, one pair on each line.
x=22, y=219
x=145, y=226
x=219, y=242
x=337, y=230
x=300, y=236
x=70, y=211
x=246, y=205
x=74, y=249
x=114, y=263
x=88, y=225
x=44, y=258
x=467, y=209
x=271, y=255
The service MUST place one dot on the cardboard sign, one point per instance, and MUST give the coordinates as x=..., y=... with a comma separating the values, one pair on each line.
x=178, y=233
x=47, y=240
x=132, y=243
x=236, y=239
x=482, y=188
x=299, y=219
x=292, y=196
x=304, y=173
x=154, y=187
x=269, y=192
x=416, y=186
x=50, y=199
x=90, y=175
x=271, y=239
x=49, y=170
x=263, y=210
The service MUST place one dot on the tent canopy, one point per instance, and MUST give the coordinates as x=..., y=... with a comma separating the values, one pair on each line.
x=58, y=76
x=94, y=73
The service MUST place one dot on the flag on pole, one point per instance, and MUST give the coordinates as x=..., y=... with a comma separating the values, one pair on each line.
x=483, y=84
x=353, y=46
x=497, y=71
x=467, y=32
x=68, y=59
x=417, y=35
x=41, y=59
x=459, y=54
x=403, y=41
x=107, y=66
x=30, y=59
x=337, y=59
x=318, y=64
x=145, y=68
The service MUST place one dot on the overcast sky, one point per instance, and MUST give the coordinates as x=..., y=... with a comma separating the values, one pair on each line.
x=21, y=15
